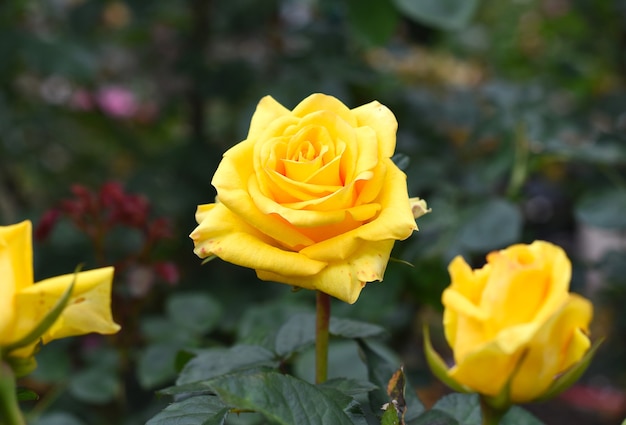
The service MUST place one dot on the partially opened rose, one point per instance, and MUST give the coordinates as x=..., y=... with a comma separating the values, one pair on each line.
x=25, y=304
x=514, y=321
x=311, y=197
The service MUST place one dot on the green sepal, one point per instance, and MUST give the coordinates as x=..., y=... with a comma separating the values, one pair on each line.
x=47, y=321
x=571, y=375
x=22, y=366
x=209, y=258
x=397, y=260
x=438, y=367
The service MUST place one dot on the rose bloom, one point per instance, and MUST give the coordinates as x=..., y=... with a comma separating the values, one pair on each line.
x=25, y=304
x=311, y=197
x=514, y=319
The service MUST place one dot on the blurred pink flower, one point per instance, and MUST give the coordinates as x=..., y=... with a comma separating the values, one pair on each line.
x=117, y=101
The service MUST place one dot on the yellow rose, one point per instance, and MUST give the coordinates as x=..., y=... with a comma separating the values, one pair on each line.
x=515, y=320
x=311, y=197
x=24, y=305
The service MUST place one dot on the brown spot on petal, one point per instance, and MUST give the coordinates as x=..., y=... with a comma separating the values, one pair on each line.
x=79, y=300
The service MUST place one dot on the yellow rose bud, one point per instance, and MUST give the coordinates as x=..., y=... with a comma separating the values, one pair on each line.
x=311, y=197
x=513, y=322
x=24, y=304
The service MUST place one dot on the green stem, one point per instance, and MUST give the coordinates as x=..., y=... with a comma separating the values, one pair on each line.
x=10, y=413
x=321, y=337
x=491, y=415
x=520, y=162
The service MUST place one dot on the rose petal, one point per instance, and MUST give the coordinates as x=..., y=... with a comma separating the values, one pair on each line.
x=283, y=190
x=508, y=299
x=368, y=155
x=231, y=181
x=319, y=214
x=16, y=255
x=470, y=283
x=223, y=234
x=344, y=138
x=395, y=221
x=88, y=309
x=472, y=371
x=382, y=121
x=558, y=344
x=320, y=102
x=16, y=271
x=343, y=280
x=267, y=111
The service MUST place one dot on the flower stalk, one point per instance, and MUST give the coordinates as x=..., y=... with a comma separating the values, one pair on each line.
x=321, y=336
x=491, y=415
x=10, y=413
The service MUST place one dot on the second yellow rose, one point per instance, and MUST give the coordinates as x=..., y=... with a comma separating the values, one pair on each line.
x=514, y=320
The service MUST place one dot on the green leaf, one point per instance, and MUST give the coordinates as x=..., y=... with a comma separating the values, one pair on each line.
x=374, y=20
x=161, y=329
x=57, y=418
x=343, y=355
x=443, y=14
x=282, y=399
x=197, y=312
x=353, y=329
x=299, y=332
x=348, y=404
x=434, y=417
x=156, y=365
x=97, y=385
x=260, y=324
x=465, y=408
x=24, y=394
x=349, y=386
x=390, y=417
x=518, y=416
x=381, y=367
x=218, y=361
x=200, y=410
x=608, y=149
x=604, y=210
x=494, y=224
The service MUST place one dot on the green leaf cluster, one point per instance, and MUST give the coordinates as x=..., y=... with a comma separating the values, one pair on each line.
x=220, y=384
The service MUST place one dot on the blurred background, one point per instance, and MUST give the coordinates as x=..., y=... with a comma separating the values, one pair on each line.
x=115, y=113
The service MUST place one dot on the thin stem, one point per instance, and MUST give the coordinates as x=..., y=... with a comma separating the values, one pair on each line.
x=491, y=415
x=321, y=337
x=10, y=413
x=520, y=163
